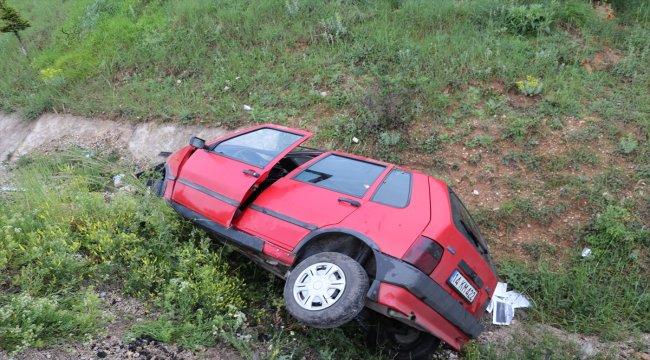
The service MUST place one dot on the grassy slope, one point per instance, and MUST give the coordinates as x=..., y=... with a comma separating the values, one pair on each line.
x=433, y=84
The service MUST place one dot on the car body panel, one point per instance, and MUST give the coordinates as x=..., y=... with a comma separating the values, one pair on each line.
x=395, y=297
x=457, y=249
x=217, y=184
x=290, y=209
x=394, y=229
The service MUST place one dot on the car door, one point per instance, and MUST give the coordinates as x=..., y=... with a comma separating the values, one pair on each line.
x=320, y=193
x=214, y=181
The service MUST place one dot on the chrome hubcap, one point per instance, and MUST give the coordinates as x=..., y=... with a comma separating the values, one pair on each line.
x=319, y=286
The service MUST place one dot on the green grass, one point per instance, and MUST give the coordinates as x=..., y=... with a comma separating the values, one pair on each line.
x=125, y=57
x=606, y=294
x=71, y=232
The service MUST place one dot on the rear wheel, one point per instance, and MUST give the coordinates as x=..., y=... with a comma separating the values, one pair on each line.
x=326, y=290
x=401, y=342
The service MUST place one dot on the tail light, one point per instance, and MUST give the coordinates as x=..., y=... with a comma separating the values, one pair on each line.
x=424, y=254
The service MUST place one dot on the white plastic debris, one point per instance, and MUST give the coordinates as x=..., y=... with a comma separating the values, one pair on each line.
x=323, y=93
x=503, y=304
x=117, y=180
x=475, y=192
x=586, y=252
x=355, y=140
x=11, y=189
x=226, y=88
x=247, y=108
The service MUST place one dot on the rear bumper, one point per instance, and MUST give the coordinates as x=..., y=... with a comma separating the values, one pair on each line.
x=406, y=289
x=421, y=314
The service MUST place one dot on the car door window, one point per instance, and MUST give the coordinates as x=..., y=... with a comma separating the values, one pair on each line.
x=257, y=147
x=342, y=174
x=395, y=190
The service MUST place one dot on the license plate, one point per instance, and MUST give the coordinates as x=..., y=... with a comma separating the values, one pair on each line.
x=460, y=284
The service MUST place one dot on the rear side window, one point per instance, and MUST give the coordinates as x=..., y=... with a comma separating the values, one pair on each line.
x=345, y=175
x=395, y=190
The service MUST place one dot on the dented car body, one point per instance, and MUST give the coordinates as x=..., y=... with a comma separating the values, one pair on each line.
x=349, y=234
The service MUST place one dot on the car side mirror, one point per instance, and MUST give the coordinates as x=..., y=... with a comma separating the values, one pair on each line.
x=197, y=142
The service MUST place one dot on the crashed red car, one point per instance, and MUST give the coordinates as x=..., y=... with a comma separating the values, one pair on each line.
x=349, y=234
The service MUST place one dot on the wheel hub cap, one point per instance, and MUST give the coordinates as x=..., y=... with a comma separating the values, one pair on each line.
x=319, y=286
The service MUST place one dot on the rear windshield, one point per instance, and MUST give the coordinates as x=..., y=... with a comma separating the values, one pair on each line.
x=466, y=225
x=345, y=175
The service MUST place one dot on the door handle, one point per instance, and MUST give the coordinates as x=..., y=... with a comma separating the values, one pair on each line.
x=251, y=173
x=350, y=201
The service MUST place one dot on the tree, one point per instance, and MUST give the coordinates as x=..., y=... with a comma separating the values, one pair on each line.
x=12, y=22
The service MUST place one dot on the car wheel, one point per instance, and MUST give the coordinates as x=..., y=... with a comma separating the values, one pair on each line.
x=326, y=290
x=401, y=342
x=158, y=188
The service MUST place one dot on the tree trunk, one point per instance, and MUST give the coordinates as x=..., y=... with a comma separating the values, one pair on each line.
x=22, y=46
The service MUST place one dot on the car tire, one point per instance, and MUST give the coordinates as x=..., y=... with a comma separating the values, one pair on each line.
x=158, y=188
x=326, y=290
x=401, y=342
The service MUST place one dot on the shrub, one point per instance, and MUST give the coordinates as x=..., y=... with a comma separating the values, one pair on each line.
x=28, y=321
x=628, y=144
x=573, y=13
x=390, y=108
x=528, y=19
x=431, y=144
x=71, y=229
x=518, y=128
x=530, y=86
x=333, y=29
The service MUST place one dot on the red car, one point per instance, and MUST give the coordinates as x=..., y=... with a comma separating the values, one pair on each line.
x=346, y=232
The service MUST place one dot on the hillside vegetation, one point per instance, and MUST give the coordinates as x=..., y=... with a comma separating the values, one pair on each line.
x=536, y=112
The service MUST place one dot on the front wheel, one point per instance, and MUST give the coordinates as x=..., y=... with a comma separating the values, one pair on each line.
x=326, y=290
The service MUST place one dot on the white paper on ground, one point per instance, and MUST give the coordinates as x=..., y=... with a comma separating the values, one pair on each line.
x=503, y=304
x=516, y=300
x=501, y=289
x=503, y=313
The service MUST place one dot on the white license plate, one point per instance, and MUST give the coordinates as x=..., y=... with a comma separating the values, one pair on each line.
x=460, y=284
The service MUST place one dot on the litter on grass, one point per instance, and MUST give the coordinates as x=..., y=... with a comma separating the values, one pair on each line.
x=503, y=304
x=11, y=189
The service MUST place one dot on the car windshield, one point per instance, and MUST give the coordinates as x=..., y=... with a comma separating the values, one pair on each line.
x=342, y=174
x=257, y=147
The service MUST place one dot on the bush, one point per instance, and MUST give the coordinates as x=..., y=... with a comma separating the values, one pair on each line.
x=70, y=230
x=528, y=19
x=27, y=321
x=390, y=108
x=628, y=144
